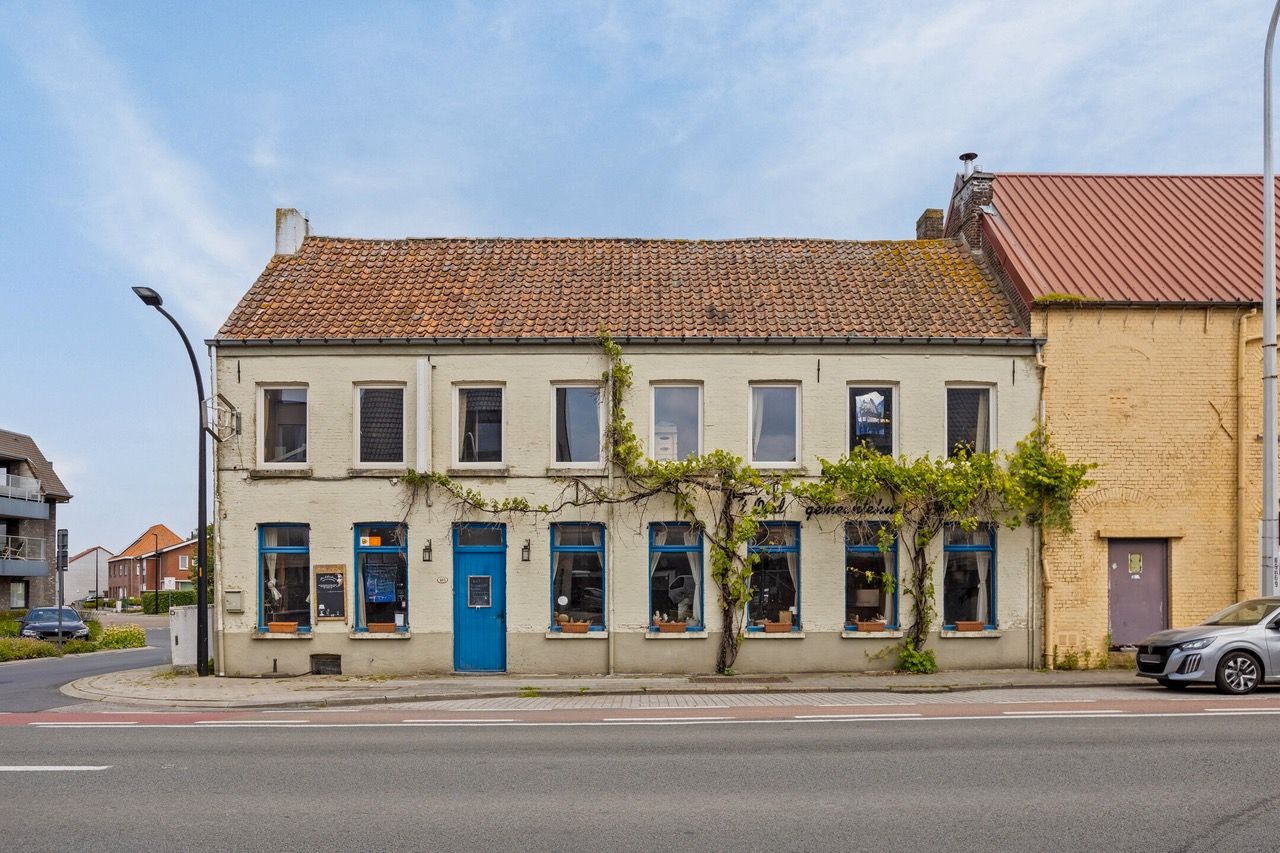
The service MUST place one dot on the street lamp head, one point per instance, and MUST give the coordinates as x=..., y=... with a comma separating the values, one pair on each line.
x=148, y=296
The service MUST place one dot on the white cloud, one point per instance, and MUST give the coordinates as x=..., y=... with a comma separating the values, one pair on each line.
x=141, y=200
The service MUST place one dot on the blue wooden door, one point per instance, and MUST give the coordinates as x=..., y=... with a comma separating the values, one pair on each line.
x=479, y=598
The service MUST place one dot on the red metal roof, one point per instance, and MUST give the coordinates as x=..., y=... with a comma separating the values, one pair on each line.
x=1130, y=238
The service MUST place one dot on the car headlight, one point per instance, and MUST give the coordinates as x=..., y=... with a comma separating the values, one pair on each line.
x=1192, y=645
x=30, y=632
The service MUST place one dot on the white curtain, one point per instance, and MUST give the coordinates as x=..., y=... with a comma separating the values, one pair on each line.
x=757, y=420
x=791, y=569
x=984, y=588
x=982, y=442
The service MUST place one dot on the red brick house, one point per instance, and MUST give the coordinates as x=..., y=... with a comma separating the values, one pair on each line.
x=134, y=570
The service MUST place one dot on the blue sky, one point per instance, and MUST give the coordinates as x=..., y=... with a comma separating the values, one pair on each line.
x=150, y=144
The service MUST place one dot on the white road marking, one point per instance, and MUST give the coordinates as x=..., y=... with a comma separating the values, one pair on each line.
x=246, y=722
x=510, y=720
x=1056, y=713
x=855, y=716
x=60, y=724
x=53, y=768
x=660, y=719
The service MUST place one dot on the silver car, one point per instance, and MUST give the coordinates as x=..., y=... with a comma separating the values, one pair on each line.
x=1236, y=649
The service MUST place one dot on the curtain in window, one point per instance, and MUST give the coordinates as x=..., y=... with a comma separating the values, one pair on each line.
x=791, y=569
x=983, y=437
x=984, y=588
x=757, y=420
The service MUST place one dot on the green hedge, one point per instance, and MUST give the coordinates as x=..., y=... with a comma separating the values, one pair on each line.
x=123, y=637
x=10, y=627
x=172, y=598
x=19, y=648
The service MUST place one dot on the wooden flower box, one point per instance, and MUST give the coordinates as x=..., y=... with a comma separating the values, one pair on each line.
x=672, y=627
x=574, y=627
x=382, y=627
x=282, y=627
x=777, y=627
x=970, y=625
x=870, y=626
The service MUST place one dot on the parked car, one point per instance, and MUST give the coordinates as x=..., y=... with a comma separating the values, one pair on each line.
x=41, y=623
x=1236, y=649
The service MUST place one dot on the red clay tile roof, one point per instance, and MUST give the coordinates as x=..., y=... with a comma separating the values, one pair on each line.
x=15, y=445
x=1130, y=238
x=336, y=288
x=147, y=542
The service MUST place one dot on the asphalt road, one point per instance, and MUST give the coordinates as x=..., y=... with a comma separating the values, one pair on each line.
x=1151, y=784
x=33, y=685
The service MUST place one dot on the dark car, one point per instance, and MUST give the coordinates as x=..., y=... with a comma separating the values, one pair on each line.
x=41, y=623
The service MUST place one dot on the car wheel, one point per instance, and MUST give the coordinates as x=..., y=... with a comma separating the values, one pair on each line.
x=1238, y=673
x=1172, y=685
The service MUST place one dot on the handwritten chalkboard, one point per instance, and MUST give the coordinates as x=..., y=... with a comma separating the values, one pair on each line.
x=331, y=592
x=380, y=572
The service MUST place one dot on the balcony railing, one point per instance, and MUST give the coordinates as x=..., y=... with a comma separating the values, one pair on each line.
x=21, y=548
x=22, y=488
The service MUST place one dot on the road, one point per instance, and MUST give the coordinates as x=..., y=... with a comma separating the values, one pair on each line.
x=1107, y=770
x=33, y=685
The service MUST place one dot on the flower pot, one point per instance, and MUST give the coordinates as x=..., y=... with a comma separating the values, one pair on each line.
x=382, y=627
x=777, y=627
x=870, y=626
x=282, y=627
x=672, y=627
x=575, y=627
x=964, y=625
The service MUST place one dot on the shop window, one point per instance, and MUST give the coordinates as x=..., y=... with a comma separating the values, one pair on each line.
x=969, y=577
x=871, y=574
x=285, y=569
x=480, y=425
x=382, y=577
x=677, y=428
x=775, y=424
x=380, y=413
x=871, y=419
x=577, y=580
x=675, y=576
x=577, y=424
x=775, y=579
x=284, y=433
x=968, y=420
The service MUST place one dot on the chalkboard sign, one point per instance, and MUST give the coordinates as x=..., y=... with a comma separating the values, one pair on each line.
x=331, y=592
x=380, y=572
x=479, y=591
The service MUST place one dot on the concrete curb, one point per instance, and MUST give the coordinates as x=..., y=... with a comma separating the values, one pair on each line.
x=80, y=690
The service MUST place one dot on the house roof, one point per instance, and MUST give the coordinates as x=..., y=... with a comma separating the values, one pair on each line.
x=1130, y=238
x=15, y=445
x=147, y=542
x=90, y=551
x=539, y=289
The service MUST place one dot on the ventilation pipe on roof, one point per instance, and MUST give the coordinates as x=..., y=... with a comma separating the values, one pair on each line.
x=969, y=158
x=292, y=228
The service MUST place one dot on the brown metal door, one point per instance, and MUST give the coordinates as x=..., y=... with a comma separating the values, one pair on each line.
x=1138, y=581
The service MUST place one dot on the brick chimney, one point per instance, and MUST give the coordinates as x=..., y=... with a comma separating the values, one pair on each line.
x=291, y=229
x=929, y=225
x=972, y=193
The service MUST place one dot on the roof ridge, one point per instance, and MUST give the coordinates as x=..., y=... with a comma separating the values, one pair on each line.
x=1134, y=175
x=676, y=240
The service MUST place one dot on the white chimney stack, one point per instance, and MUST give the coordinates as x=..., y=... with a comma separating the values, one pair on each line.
x=291, y=229
x=968, y=159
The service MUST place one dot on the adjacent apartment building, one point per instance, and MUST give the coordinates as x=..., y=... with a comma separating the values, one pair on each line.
x=30, y=492
x=352, y=361
x=1146, y=290
x=158, y=559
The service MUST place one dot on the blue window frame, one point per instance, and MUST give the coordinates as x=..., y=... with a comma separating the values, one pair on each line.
x=381, y=588
x=969, y=576
x=865, y=598
x=577, y=575
x=284, y=576
x=775, y=580
x=675, y=575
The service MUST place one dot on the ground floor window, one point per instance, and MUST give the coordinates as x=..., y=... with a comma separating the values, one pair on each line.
x=675, y=576
x=17, y=595
x=284, y=563
x=775, y=580
x=969, y=578
x=577, y=576
x=382, y=578
x=870, y=577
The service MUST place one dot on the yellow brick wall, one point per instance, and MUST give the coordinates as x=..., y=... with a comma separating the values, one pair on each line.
x=1151, y=396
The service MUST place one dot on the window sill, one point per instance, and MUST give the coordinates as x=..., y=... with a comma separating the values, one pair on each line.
x=279, y=473
x=590, y=635
x=365, y=635
x=265, y=635
x=478, y=472
x=987, y=634
x=670, y=635
x=778, y=467
x=377, y=471
x=780, y=635
x=570, y=471
x=871, y=635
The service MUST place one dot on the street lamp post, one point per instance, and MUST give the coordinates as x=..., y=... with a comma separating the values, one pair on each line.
x=156, y=595
x=151, y=298
x=1267, y=545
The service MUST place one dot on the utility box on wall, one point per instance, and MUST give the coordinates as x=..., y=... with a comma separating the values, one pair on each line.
x=182, y=635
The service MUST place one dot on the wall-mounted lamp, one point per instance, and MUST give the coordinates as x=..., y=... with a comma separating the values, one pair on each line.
x=525, y=554
x=426, y=552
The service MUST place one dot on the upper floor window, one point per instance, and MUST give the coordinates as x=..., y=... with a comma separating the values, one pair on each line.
x=677, y=422
x=775, y=424
x=968, y=420
x=577, y=424
x=675, y=577
x=380, y=424
x=183, y=561
x=968, y=581
x=284, y=425
x=775, y=579
x=479, y=435
x=871, y=418
x=870, y=577
x=577, y=576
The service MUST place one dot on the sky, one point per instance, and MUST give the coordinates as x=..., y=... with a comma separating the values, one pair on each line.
x=150, y=144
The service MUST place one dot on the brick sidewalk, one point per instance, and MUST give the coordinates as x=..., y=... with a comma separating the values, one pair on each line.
x=159, y=687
